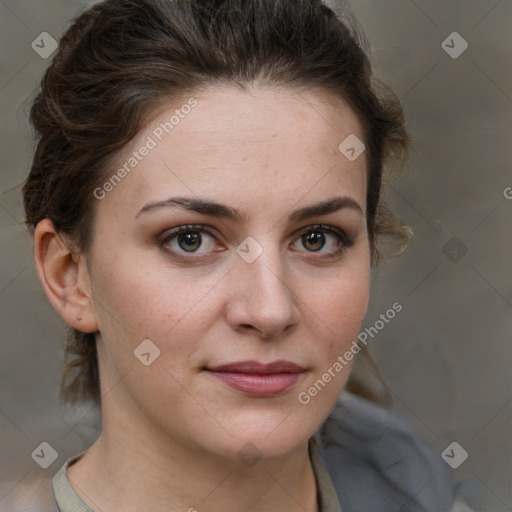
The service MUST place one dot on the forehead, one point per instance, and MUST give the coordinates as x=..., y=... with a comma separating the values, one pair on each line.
x=234, y=143
x=309, y=119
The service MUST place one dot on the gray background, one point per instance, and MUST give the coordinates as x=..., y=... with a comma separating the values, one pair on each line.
x=446, y=356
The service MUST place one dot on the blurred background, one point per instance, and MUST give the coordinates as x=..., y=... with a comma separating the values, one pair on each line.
x=446, y=356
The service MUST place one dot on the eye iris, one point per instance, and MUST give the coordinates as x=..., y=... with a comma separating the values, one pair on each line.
x=316, y=239
x=192, y=241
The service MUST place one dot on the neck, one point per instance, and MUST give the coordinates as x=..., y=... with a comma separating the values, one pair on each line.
x=124, y=470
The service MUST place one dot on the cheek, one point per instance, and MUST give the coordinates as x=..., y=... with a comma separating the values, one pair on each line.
x=135, y=299
x=129, y=290
x=348, y=293
x=336, y=312
x=342, y=304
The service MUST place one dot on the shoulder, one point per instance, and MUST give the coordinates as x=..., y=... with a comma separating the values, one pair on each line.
x=34, y=496
x=376, y=462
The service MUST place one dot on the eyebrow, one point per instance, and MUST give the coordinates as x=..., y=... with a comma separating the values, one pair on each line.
x=207, y=207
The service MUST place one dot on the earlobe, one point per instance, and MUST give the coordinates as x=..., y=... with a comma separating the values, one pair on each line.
x=64, y=277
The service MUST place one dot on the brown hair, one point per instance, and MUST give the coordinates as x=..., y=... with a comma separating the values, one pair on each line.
x=121, y=59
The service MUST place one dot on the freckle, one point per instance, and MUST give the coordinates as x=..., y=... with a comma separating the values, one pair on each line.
x=275, y=135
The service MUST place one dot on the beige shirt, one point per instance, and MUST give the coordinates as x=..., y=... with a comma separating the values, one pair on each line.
x=57, y=495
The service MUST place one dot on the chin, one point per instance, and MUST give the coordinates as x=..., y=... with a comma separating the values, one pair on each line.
x=271, y=437
x=251, y=449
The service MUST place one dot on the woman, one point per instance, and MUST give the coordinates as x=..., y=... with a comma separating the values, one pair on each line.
x=205, y=200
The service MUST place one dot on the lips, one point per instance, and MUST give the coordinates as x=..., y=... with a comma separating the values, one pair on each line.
x=259, y=368
x=258, y=379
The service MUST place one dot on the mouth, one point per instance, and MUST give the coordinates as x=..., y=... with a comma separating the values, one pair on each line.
x=258, y=379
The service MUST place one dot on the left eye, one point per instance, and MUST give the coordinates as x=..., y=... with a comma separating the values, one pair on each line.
x=317, y=238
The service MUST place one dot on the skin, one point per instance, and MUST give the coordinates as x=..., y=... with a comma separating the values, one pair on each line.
x=170, y=431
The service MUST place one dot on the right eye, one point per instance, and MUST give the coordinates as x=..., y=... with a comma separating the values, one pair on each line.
x=188, y=239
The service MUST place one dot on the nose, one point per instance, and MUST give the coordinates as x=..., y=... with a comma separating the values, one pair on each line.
x=261, y=299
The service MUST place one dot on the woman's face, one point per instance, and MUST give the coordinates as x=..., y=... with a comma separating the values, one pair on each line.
x=261, y=274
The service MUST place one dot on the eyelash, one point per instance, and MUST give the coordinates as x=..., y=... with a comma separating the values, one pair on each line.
x=344, y=241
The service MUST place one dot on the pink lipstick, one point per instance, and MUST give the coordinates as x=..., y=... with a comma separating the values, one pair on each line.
x=258, y=379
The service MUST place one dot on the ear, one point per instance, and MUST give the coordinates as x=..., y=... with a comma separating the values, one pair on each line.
x=65, y=277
